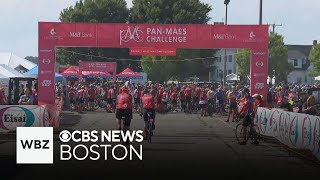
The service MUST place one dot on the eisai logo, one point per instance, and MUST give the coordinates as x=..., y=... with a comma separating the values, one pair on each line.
x=12, y=115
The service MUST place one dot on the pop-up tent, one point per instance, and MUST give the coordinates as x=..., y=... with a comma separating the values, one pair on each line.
x=129, y=74
x=93, y=74
x=72, y=72
x=6, y=71
x=35, y=71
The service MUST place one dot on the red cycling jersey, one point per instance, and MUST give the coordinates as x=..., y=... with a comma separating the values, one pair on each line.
x=81, y=93
x=173, y=95
x=110, y=93
x=187, y=92
x=148, y=102
x=164, y=95
x=91, y=93
x=124, y=101
x=197, y=92
x=71, y=94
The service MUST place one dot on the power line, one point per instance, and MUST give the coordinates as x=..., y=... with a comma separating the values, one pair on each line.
x=115, y=59
x=274, y=26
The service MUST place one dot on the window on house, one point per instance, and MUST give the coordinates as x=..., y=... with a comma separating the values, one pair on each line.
x=229, y=71
x=299, y=80
x=306, y=79
x=217, y=73
x=219, y=59
x=295, y=62
x=230, y=58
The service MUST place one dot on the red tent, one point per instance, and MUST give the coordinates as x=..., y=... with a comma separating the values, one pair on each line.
x=72, y=71
x=129, y=74
x=95, y=74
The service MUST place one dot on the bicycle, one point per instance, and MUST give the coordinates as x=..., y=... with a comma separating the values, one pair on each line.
x=150, y=134
x=253, y=132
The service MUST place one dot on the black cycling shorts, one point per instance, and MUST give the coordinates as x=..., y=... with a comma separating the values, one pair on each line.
x=247, y=120
x=126, y=113
x=91, y=100
x=152, y=114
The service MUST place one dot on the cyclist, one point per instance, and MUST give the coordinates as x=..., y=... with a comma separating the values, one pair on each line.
x=148, y=103
x=203, y=103
x=124, y=109
x=196, y=97
x=111, y=96
x=137, y=94
x=187, y=94
x=173, y=98
x=233, y=104
x=80, y=98
x=91, y=96
x=248, y=114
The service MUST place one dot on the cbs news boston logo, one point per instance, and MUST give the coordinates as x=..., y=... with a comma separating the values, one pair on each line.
x=35, y=145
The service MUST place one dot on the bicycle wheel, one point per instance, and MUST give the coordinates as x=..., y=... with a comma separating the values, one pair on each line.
x=150, y=131
x=256, y=133
x=239, y=133
x=96, y=104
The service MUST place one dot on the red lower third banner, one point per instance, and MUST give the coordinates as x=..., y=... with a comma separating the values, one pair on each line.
x=146, y=51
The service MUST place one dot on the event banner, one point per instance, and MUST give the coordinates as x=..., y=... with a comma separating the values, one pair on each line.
x=153, y=51
x=296, y=130
x=177, y=36
x=22, y=116
x=108, y=67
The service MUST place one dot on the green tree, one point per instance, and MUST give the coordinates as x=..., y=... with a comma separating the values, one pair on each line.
x=315, y=60
x=278, y=65
x=173, y=12
x=97, y=11
x=243, y=62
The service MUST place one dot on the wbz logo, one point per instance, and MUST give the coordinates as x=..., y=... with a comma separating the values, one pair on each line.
x=34, y=145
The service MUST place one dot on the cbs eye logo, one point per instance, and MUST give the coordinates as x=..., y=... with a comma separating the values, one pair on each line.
x=65, y=136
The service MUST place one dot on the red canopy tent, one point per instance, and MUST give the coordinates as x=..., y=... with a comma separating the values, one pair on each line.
x=128, y=74
x=92, y=74
x=72, y=71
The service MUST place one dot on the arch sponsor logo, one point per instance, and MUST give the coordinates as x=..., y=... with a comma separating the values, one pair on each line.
x=316, y=136
x=263, y=120
x=273, y=122
x=14, y=116
x=306, y=132
x=284, y=122
x=294, y=131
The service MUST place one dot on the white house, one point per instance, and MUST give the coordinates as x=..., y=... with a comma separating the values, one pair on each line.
x=219, y=64
x=299, y=57
x=13, y=61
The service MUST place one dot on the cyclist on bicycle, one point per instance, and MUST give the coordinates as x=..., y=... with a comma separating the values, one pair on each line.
x=248, y=113
x=148, y=103
x=124, y=109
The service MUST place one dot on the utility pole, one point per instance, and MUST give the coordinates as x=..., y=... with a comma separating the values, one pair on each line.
x=274, y=26
x=260, y=17
x=226, y=2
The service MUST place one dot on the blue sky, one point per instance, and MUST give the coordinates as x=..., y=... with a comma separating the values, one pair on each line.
x=19, y=18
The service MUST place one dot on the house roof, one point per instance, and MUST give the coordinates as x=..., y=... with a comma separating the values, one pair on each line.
x=14, y=61
x=305, y=49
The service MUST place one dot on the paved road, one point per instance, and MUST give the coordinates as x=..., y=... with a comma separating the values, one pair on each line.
x=184, y=145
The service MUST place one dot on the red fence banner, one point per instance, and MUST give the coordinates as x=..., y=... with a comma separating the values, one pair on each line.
x=149, y=51
x=107, y=67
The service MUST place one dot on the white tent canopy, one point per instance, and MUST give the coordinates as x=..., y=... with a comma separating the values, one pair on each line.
x=317, y=78
x=14, y=61
x=6, y=71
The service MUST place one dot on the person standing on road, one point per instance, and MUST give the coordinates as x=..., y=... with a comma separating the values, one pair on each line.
x=3, y=98
x=124, y=109
x=232, y=104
